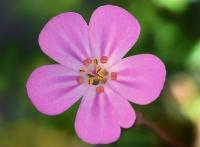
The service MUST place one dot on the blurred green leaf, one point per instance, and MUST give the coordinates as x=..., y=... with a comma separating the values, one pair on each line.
x=173, y=5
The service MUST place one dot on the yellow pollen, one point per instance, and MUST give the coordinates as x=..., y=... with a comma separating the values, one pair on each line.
x=95, y=61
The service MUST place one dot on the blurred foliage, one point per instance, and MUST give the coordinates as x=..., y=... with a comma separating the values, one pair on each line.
x=23, y=134
x=173, y=5
x=170, y=30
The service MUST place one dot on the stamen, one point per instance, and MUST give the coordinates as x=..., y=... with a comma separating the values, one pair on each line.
x=104, y=80
x=99, y=89
x=80, y=79
x=90, y=75
x=95, y=74
x=105, y=73
x=98, y=69
x=82, y=70
x=95, y=61
x=113, y=76
x=104, y=59
x=87, y=62
x=100, y=77
x=95, y=82
x=90, y=81
x=100, y=73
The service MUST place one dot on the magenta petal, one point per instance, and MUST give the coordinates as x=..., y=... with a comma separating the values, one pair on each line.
x=124, y=112
x=65, y=39
x=53, y=89
x=140, y=78
x=96, y=121
x=113, y=31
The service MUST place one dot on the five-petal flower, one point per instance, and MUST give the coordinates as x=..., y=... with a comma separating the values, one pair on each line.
x=91, y=66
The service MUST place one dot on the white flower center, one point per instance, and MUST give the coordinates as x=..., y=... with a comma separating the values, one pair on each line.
x=95, y=73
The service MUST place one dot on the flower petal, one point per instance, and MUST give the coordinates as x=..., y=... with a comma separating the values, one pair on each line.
x=140, y=78
x=65, y=39
x=113, y=31
x=124, y=112
x=96, y=121
x=53, y=89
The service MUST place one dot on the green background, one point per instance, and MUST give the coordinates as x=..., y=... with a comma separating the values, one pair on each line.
x=170, y=29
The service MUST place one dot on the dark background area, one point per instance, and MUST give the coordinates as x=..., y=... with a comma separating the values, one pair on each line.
x=170, y=30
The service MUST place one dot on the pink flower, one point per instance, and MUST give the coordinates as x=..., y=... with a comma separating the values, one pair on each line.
x=91, y=66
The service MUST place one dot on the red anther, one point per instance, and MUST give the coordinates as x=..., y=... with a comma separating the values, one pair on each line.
x=80, y=80
x=113, y=76
x=87, y=61
x=104, y=59
x=99, y=89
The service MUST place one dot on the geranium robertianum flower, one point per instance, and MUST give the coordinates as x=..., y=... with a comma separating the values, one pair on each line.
x=91, y=66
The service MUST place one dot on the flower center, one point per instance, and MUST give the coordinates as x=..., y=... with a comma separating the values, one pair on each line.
x=95, y=73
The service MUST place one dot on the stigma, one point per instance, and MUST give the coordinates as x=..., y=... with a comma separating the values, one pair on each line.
x=95, y=73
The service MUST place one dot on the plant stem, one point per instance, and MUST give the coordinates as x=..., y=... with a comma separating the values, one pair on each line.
x=158, y=131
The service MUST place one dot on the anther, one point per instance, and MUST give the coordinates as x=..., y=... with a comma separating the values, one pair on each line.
x=104, y=59
x=95, y=61
x=90, y=81
x=98, y=69
x=82, y=70
x=99, y=89
x=95, y=82
x=87, y=61
x=80, y=80
x=113, y=76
